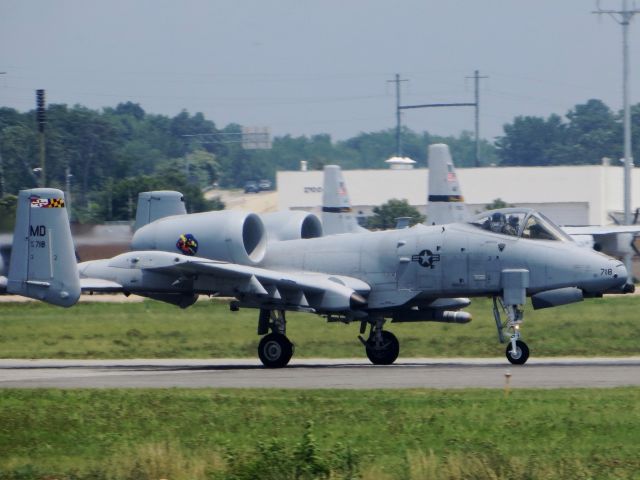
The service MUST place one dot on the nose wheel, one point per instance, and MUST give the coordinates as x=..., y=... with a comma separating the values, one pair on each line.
x=517, y=352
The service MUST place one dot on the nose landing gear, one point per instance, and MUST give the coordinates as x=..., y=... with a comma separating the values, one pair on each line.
x=517, y=351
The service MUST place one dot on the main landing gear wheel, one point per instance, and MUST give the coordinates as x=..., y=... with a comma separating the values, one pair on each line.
x=275, y=350
x=521, y=355
x=385, y=353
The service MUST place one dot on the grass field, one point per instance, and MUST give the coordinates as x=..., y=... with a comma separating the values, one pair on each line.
x=608, y=327
x=274, y=434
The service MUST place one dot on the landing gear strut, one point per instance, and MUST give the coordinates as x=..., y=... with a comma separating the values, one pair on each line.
x=517, y=351
x=275, y=349
x=382, y=346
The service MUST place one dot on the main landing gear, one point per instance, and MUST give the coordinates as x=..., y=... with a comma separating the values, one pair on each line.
x=517, y=351
x=382, y=346
x=275, y=349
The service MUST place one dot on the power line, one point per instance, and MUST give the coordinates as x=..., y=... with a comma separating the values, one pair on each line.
x=476, y=104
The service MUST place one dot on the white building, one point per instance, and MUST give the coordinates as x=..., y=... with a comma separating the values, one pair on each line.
x=569, y=195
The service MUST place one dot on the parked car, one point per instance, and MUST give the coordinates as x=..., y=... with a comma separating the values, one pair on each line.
x=264, y=184
x=251, y=187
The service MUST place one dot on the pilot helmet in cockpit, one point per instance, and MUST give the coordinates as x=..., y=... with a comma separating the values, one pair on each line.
x=498, y=221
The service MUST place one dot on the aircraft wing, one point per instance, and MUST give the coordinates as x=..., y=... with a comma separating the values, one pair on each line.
x=615, y=240
x=602, y=230
x=252, y=285
x=99, y=285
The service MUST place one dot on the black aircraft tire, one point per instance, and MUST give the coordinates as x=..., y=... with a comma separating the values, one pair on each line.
x=387, y=355
x=275, y=350
x=522, y=353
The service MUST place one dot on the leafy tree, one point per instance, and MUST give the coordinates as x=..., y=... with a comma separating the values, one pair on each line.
x=498, y=203
x=592, y=133
x=201, y=168
x=18, y=147
x=119, y=199
x=386, y=215
x=530, y=140
x=216, y=203
x=8, y=205
x=131, y=109
x=116, y=152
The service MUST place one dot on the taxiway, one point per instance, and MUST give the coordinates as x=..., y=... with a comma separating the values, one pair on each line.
x=321, y=373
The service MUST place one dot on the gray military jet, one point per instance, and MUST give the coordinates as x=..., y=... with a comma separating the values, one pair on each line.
x=409, y=275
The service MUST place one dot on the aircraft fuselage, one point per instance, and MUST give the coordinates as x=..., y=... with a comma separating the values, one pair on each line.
x=445, y=261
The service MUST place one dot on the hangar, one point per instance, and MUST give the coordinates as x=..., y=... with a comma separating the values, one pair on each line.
x=569, y=195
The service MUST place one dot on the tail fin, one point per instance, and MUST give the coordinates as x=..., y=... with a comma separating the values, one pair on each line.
x=43, y=262
x=155, y=205
x=337, y=216
x=445, y=202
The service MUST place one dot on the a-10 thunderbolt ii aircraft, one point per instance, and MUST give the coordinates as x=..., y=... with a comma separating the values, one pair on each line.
x=408, y=275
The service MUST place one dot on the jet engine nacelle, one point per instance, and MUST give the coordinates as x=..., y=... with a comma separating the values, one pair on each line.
x=230, y=236
x=291, y=225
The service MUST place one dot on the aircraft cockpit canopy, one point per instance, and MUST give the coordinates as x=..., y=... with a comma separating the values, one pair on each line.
x=523, y=223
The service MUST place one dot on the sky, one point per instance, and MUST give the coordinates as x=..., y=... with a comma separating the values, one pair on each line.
x=305, y=67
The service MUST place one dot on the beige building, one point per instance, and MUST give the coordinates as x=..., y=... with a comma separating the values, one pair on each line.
x=569, y=195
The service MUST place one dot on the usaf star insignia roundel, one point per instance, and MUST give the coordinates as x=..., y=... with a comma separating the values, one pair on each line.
x=187, y=244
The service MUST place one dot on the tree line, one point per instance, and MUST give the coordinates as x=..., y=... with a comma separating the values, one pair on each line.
x=114, y=153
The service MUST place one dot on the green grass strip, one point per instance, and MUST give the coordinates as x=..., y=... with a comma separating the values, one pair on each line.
x=242, y=434
x=595, y=327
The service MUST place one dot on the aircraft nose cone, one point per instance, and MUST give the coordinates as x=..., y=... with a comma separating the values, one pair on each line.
x=622, y=275
x=621, y=272
x=614, y=276
x=607, y=275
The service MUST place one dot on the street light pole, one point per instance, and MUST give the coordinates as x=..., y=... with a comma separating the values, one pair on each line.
x=624, y=17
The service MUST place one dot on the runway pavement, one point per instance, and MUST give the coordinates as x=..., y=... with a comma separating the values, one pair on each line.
x=321, y=373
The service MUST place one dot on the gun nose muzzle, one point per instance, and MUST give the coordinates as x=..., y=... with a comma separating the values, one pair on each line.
x=620, y=276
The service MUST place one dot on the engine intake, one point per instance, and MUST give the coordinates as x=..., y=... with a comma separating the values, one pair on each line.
x=292, y=225
x=230, y=236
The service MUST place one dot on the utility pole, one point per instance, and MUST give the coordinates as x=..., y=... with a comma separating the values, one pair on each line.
x=476, y=83
x=67, y=185
x=42, y=120
x=624, y=17
x=475, y=104
x=1, y=164
x=398, y=108
x=1, y=177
